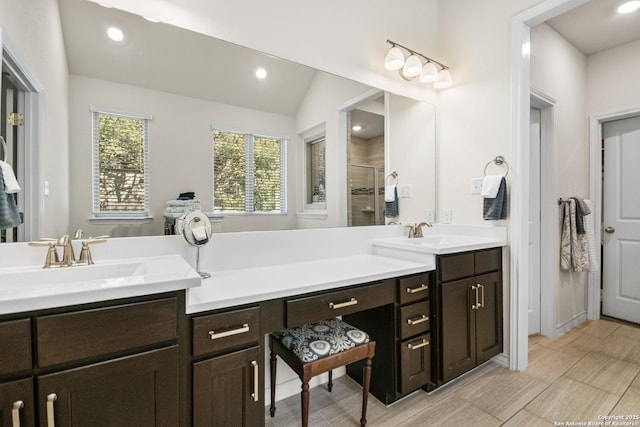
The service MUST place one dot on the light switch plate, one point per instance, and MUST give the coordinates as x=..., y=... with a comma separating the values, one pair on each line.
x=429, y=215
x=476, y=185
x=446, y=216
x=406, y=190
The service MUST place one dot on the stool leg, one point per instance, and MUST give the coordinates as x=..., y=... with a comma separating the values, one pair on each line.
x=304, y=397
x=273, y=363
x=366, y=380
x=330, y=385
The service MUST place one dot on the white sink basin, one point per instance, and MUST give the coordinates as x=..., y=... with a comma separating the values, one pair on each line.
x=30, y=288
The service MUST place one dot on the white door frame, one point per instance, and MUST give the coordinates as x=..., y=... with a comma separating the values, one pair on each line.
x=595, y=194
x=34, y=108
x=520, y=57
x=549, y=233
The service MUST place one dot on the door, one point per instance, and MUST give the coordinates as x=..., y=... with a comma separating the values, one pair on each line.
x=621, y=219
x=16, y=403
x=489, y=317
x=226, y=390
x=534, y=223
x=134, y=391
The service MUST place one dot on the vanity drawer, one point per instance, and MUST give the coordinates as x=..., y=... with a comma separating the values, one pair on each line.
x=414, y=319
x=15, y=351
x=488, y=260
x=413, y=288
x=452, y=267
x=337, y=303
x=84, y=334
x=224, y=331
x=415, y=363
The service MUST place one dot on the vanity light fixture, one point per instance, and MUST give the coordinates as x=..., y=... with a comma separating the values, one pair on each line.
x=628, y=7
x=115, y=34
x=417, y=65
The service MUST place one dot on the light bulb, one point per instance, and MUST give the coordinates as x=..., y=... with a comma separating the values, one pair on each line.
x=628, y=7
x=429, y=72
x=444, y=79
x=394, y=59
x=115, y=34
x=412, y=66
x=261, y=73
x=356, y=128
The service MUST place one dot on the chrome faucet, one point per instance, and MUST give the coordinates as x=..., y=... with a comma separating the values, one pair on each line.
x=415, y=230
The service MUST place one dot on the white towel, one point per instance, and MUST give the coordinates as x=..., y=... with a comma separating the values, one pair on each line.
x=390, y=193
x=490, y=186
x=10, y=182
x=590, y=228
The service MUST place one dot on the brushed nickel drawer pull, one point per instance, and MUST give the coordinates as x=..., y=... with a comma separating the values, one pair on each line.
x=481, y=287
x=422, y=287
x=418, y=320
x=412, y=346
x=51, y=422
x=256, y=390
x=477, y=304
x=351, y=302
x=15, y=413
x=241, y=330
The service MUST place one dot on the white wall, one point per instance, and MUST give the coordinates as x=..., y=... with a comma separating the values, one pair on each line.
x=33, y=27
x=180, y=144
x=612, y=80
x=559, y=70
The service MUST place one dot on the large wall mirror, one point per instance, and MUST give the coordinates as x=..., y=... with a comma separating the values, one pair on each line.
x=188, y=84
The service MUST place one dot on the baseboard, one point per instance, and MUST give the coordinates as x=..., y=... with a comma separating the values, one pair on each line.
x=565, y=327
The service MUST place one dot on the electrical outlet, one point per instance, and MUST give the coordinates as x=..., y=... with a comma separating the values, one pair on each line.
x=406, y=190
x=476, y=185
x=46, y=187
x=446, y=216
x=429, y=215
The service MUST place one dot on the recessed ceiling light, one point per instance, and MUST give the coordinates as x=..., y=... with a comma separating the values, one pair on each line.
x=630, y=6
x=261, y=73
x=356, y=128
x=115, y=34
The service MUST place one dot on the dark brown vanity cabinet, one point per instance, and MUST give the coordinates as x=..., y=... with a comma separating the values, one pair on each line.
x=227, y=369
x=402, y=331
x=469, y=310
x=97, y=365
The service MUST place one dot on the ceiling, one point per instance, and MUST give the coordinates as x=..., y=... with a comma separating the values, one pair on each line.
x=596, y=26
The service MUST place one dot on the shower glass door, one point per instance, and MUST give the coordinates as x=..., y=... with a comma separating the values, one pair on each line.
x=366, y=195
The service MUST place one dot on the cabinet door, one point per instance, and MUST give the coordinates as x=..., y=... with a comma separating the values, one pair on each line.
x=17, y=404
x=415, y=363
x=458, y=325
x=134, y=391
x=489, y=317
x=227, y=390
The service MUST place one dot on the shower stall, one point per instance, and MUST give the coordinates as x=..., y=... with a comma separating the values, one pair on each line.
x=366, y=195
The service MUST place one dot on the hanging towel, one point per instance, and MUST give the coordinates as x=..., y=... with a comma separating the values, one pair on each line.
x=590, y=227
x=391, y=209
x=10, y=182
x=491, y=185
x=496, y=208
x=9, y=216
x=574, y=251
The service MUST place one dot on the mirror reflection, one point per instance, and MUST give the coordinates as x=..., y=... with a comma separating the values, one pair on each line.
x=189, y=85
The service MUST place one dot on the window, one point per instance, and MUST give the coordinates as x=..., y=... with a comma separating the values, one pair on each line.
x=249, y=173
x=120, y=165
x=315, y=150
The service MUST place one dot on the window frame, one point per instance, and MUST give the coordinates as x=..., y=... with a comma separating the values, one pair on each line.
x=99, y=216
x=249, y=172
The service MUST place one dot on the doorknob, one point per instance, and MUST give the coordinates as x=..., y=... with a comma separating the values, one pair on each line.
x=610, y=230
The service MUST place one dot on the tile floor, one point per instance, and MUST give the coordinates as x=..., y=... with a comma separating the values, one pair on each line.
x=589, y=372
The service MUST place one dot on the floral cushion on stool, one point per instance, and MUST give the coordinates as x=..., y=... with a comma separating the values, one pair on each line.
x=314, y=341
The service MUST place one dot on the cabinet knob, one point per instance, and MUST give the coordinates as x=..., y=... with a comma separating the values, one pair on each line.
x=15, y=413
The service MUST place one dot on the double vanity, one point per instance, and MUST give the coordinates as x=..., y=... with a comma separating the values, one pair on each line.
x=145, y=341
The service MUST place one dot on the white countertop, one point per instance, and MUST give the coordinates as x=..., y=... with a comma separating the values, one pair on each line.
x=243, y=286
x=28, y=288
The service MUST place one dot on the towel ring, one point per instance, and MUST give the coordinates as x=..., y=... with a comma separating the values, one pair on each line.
x=499, y=160
x=393, y=175
x=4, y=149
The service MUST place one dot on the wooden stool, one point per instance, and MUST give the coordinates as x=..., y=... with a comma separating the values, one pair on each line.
x=317, y=348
